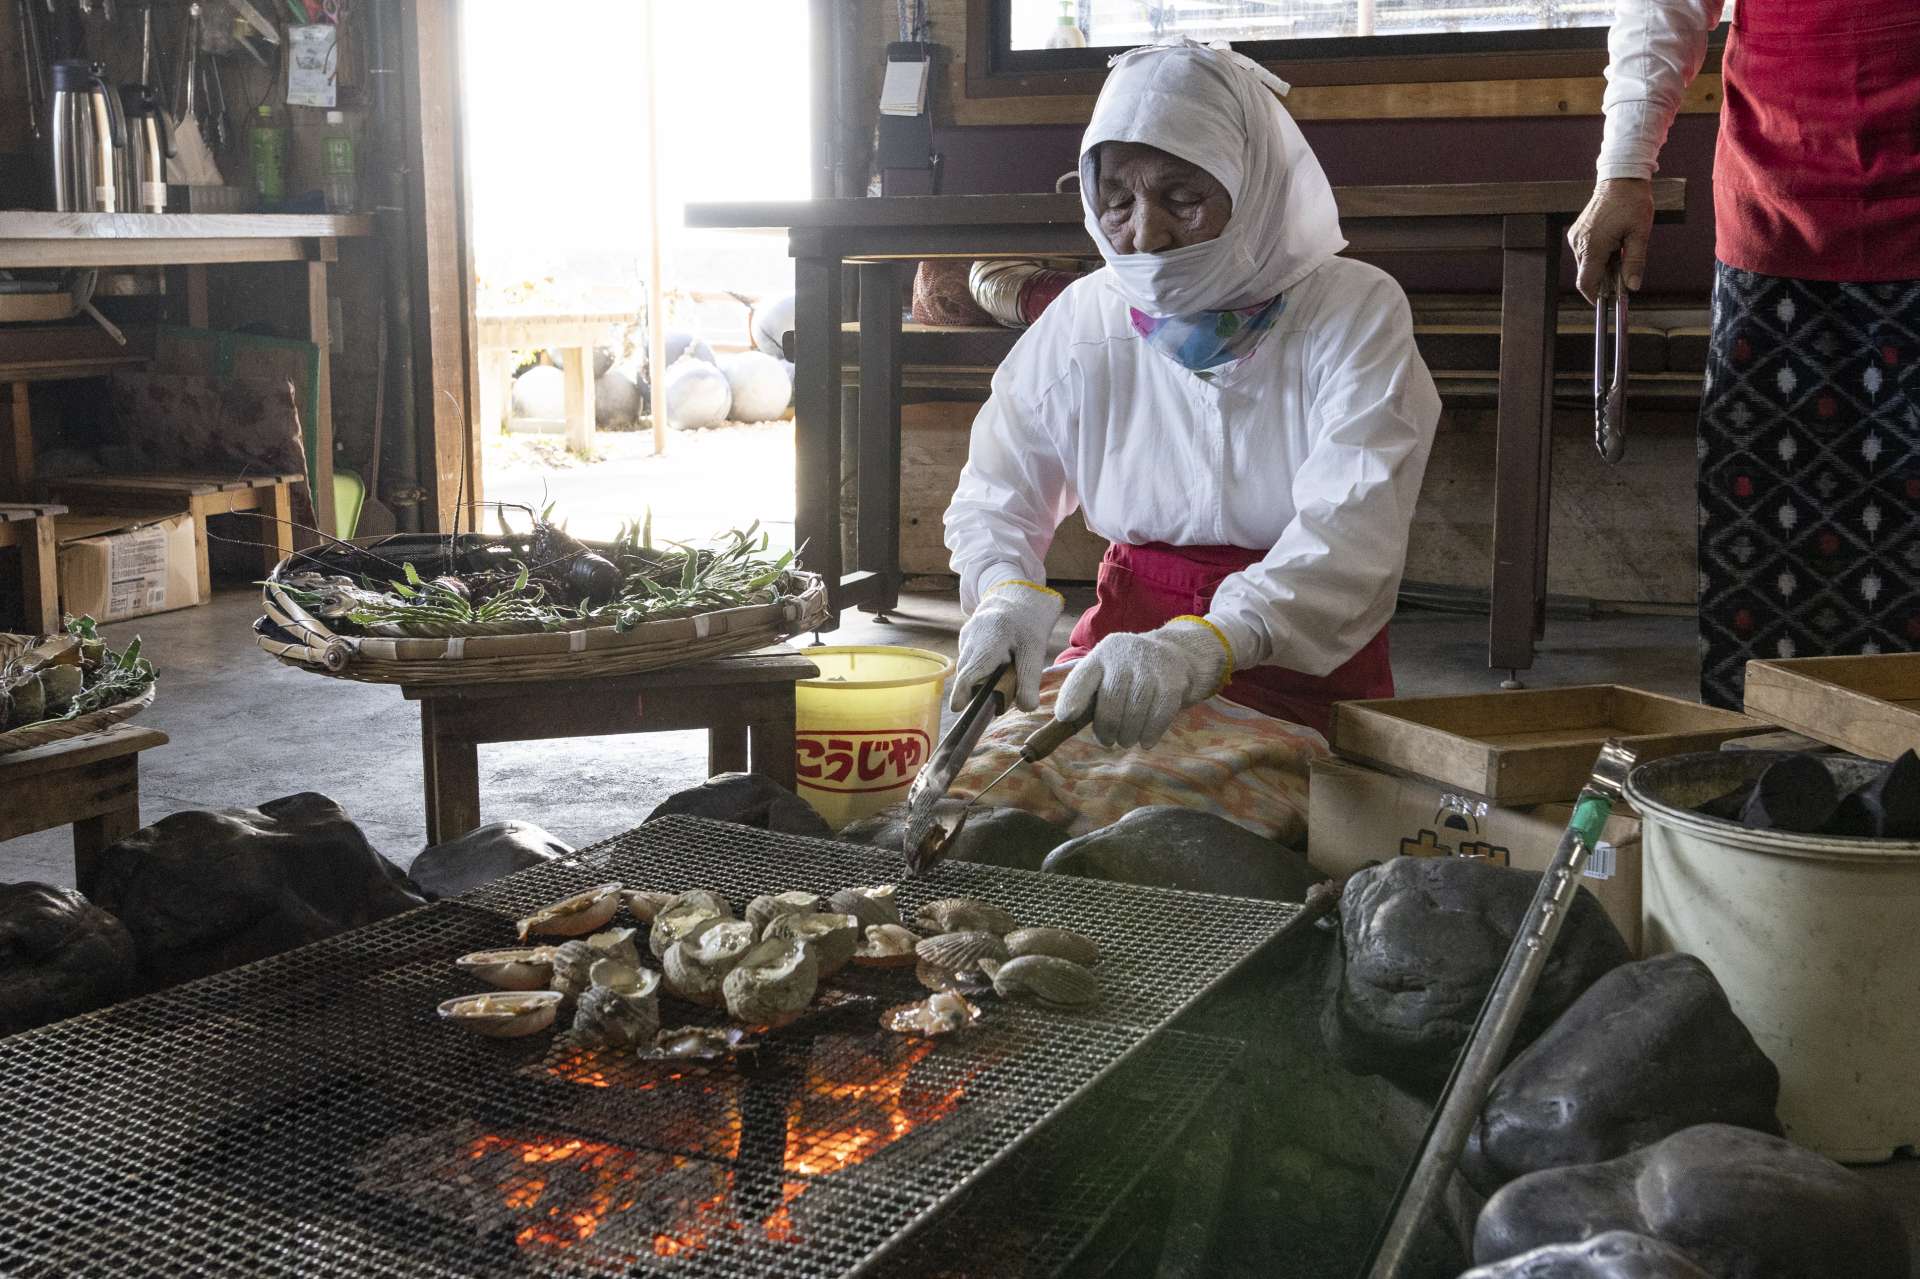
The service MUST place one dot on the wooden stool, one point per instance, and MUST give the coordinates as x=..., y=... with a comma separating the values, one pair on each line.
x=199, y=496
x=91, y=781
x=31, y=529
x=745, y=703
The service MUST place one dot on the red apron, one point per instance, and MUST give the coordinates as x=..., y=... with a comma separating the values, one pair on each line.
x=1144, y=587
x=1817, y=175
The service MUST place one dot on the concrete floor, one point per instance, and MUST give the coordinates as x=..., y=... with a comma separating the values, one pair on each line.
x=247, y=729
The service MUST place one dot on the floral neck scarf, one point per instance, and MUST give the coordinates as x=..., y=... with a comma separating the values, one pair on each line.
x=1204, y=340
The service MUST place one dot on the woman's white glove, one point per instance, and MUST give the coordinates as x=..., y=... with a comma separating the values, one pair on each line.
x=1014, y=621
x=1137, y=683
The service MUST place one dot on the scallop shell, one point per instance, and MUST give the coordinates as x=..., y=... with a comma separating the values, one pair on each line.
x=966, y=914
x=714, y=902
x=961, y=952
x=574, y=916
x=697, y=963
x=506, y=1014
x=887, y=946
x=1061, y=943
x=773, y=983
x=617, y=944
x=870, y=905
x=833, y=937
x=644, y=903
x=1051, y=980
x=971, y=981
x=525, y=968
x=767, y=907
x=676, y=921
x=572, y=967
x=941, y=1013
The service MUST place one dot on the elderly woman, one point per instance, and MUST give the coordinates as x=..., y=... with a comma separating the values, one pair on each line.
x=1241, y=413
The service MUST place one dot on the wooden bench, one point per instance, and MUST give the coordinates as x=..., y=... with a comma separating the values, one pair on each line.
x=30, y=528
x=92, y=782
x=745, y=702
x=270, y=496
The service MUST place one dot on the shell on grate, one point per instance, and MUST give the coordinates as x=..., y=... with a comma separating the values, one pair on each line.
x=768, y=907
x=697, y=963
x=871, y=905
x=965, y=914
x=773, y=983
x=502, y=1014
x=834, y=937
x=887, y=946
x=575, y=916
x=524, y=968
x=1061, y=943
x=1049, y=979
x=961, y=952
x=941, y=1013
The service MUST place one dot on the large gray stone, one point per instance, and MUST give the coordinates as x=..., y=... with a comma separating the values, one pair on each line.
x=1170, y=847
x=747, y=799
x=204, y=891
x=1424, y=938
x=993, y=836
x=482, y=856
x=1614, y=1255
x=1650, y=1048
x=1743, y=1204
x=60, y=955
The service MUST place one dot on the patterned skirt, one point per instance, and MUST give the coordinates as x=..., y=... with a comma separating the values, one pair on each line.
x=1809, y=474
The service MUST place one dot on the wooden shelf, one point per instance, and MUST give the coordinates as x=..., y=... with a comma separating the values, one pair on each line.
x=36, y=239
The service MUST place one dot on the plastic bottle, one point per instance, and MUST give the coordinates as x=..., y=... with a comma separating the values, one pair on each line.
x=267, y=148
x=337, y=166
x=1066, y=33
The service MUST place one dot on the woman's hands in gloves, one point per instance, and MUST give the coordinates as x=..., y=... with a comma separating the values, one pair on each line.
x=1013, y=622
x=1137, y=683
x=1617, y=219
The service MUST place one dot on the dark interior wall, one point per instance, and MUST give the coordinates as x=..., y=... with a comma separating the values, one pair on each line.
x=998, y=160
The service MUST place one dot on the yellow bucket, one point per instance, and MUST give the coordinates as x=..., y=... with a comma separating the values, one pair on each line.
x=865, y=726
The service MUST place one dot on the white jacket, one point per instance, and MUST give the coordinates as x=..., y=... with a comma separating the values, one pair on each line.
x=1314, y=446
x=1654, y=50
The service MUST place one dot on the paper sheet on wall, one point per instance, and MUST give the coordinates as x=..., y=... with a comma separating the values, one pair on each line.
x=312, y=63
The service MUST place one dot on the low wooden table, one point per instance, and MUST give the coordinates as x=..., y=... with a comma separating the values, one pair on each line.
x=31, y=529
x=500, y=333
x=745, y=702
x=92, y=782
x=269, y=496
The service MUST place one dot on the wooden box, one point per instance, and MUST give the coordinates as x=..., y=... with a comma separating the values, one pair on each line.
x=1531, y=746
x=1867, y=705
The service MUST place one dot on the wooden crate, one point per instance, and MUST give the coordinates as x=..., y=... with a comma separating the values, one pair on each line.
x=1867, y=705
x=1532, y=746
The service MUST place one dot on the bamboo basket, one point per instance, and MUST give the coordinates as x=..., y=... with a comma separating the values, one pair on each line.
x=46, y=732
x=512, y=652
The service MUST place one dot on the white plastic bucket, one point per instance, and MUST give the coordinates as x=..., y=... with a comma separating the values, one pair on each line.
x=864, y=727
x=1811, y=935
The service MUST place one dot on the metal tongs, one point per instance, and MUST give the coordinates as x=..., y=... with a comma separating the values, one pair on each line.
x=1610, y=395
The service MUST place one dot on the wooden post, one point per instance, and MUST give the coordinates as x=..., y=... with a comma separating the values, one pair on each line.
x=1527, y=299
x=18, y=454
x=656, y=287
x=197, y=297
x=878, y=539
x=40, y=575
x=578, y=387
x=816, y=420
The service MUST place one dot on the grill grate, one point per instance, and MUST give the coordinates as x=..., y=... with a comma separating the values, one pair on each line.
x=308, y=1114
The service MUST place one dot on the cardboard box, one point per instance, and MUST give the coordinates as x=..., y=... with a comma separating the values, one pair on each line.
x=113, y=567
x=1357, y=815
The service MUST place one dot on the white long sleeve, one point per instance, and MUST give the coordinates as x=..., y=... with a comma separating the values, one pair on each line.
x=1654, y=50
x=1314, y=447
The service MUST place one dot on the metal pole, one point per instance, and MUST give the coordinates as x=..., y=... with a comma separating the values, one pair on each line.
x=1500, y=1016
x=656, y=290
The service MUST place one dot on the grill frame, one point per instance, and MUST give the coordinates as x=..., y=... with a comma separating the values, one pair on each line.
x=300, y=1040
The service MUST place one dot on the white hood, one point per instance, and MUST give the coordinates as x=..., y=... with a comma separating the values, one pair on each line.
x=1218, y=109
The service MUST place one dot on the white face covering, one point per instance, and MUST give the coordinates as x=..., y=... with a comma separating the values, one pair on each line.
x=1217, y=109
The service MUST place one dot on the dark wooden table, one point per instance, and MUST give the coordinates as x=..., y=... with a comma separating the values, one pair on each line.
x=1524, y=222
x=92, y=782
x=745, y=702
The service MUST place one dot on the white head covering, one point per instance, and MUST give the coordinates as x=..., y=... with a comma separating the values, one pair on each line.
x=1215, y=108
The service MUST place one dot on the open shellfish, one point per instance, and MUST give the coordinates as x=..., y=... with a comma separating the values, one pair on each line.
x=1049, y=979
x=887, y=946
x=503, y=1014
x=686, y=913
x=773, y=983
x=870, y=905
x=697, y=963
x=833, y=937
x=574, y=916
x=1061, y=943
x=644, y=903
x=768, y=907
x=616, y=944
x=965, y=914
x=941, y=1013
x=572, y=965
x=525, y=968
x=696, y=1043
x=619, y=1009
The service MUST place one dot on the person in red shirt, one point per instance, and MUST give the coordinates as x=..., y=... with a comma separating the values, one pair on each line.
x=1809, y=437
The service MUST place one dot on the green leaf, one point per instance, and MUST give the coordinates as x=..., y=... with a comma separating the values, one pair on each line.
x=691, y=573
x=413, y=574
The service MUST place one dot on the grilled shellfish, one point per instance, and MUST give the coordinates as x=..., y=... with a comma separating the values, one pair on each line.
x=941, y=1013
x=680, y=917
x=773, y=983
x=961, y=952
x=572, y=966
x=767, y=907
x=887, y=946
x=833, y=937
x=526, y=968
x=1051, y=980
x=504, y=1014
x=644, y=903
x=620, y=1009
x=574, y=916
x=696, y=1043
x=965, y=914
x=697, y=963
x=1061, y=943
x=871, y=905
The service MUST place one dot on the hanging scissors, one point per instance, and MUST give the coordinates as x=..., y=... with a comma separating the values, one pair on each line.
x=1610, y=394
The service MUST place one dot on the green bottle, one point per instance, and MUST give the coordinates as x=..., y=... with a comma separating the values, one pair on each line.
x=267, y=148
x=337, y=166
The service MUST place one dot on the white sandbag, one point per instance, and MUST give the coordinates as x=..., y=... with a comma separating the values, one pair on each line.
x=540, y=392
x=616, y=400
x=697, y=394
x=762, y=387
x=769, y=322
x=680, y=344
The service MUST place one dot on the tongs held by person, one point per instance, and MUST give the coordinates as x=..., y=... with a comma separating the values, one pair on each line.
x=1610, y=394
